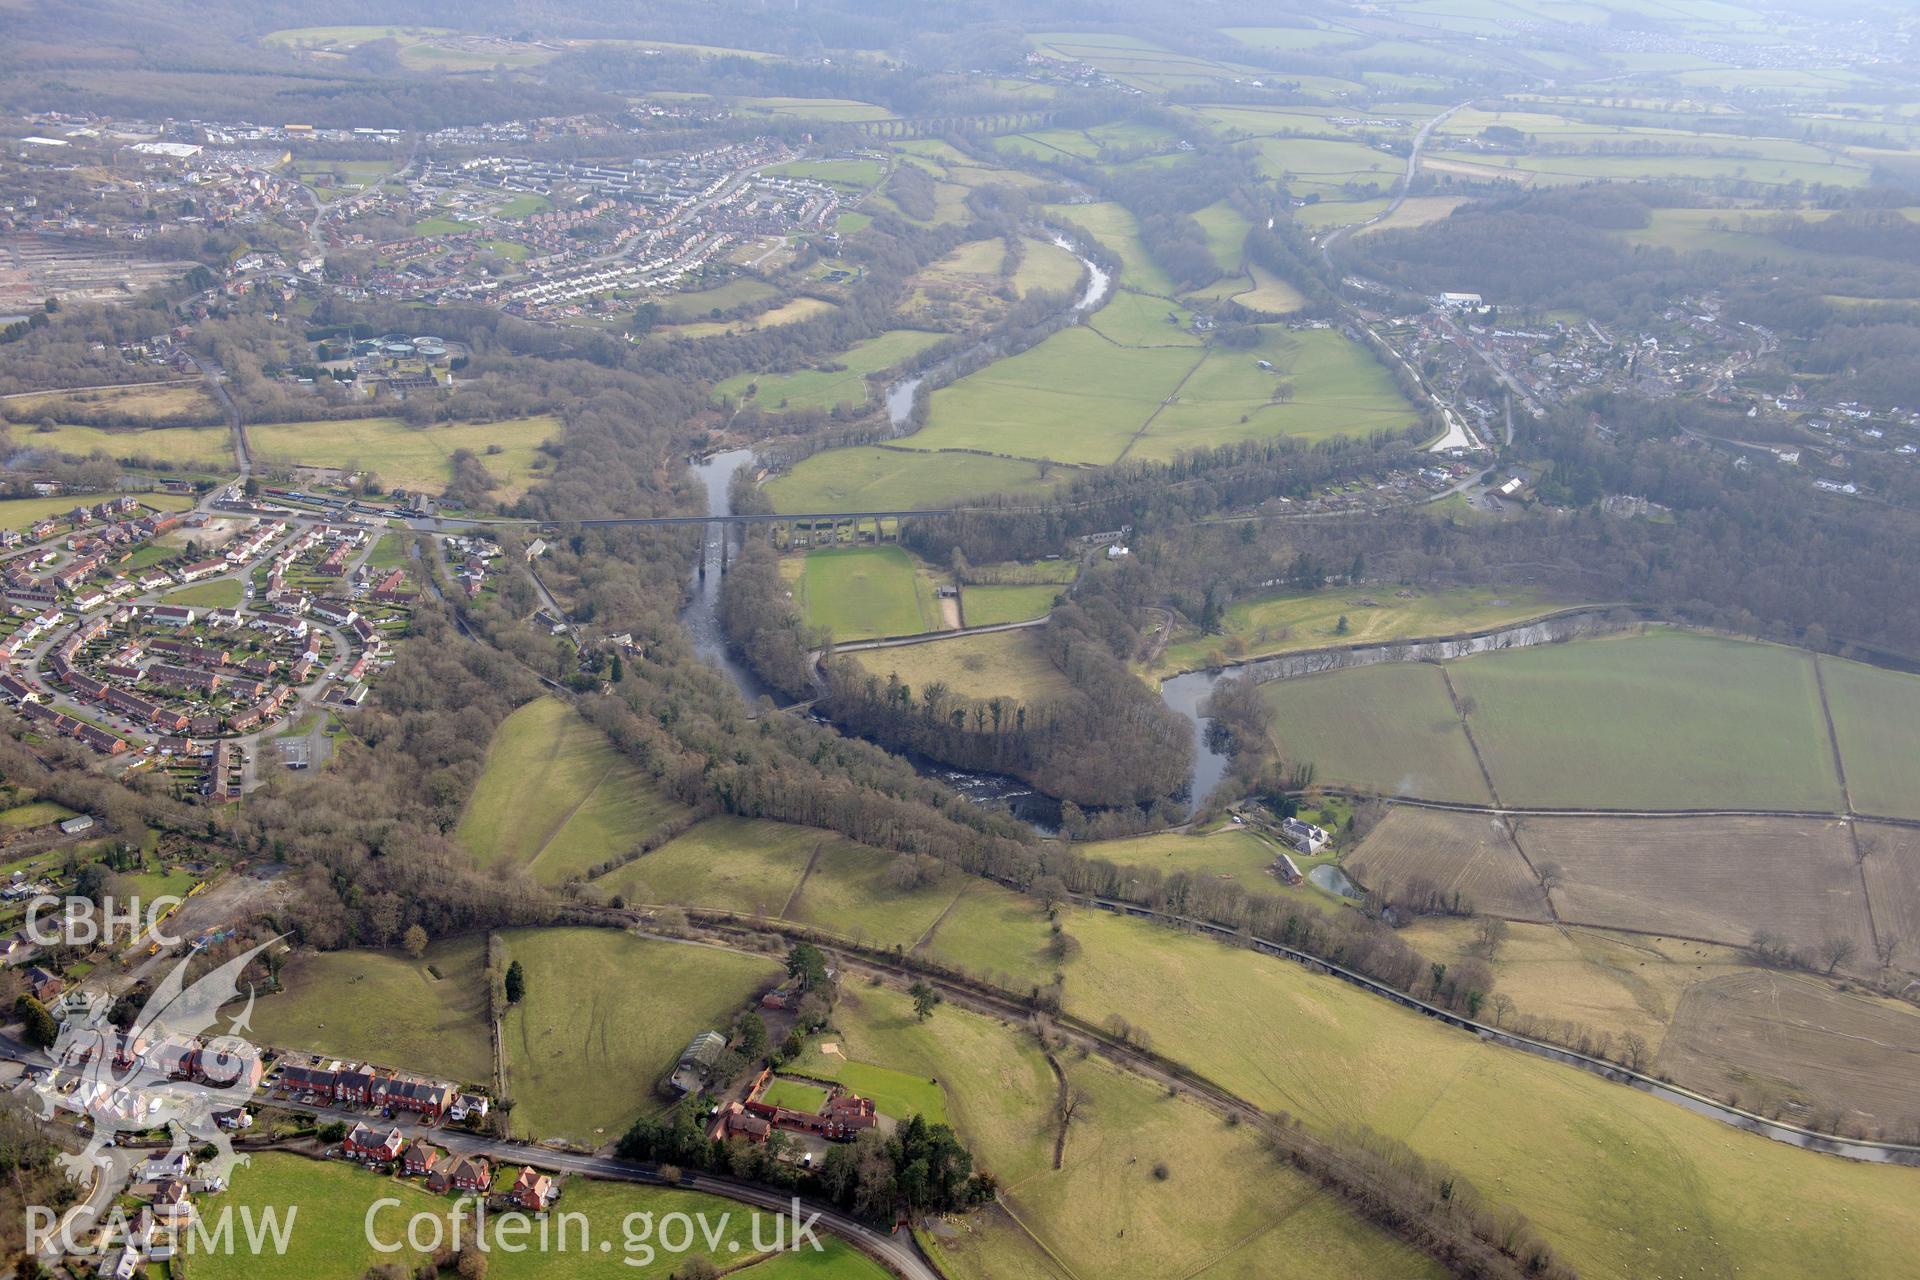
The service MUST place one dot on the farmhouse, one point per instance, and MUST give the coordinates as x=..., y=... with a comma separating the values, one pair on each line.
x=840, y=1118
x=1304, y=836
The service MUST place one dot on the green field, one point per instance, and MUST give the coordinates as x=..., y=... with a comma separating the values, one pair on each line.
x=1071, y=398
x=999, y=664
x=996, y=935
x=328, y=1203
x=1621, y=1182
x=185, y=448
x=1320, y=386
x=1733, y=232
x=432, y=227
x=1230, y=853
x=825, y=388
x=1045, y=268
x=856, y=172
x=699, y=303
x=35, y=813
x=147, y=885
x=870, y=478
x=390, y=550
x=404, y=457
x=832, y=110
x=605, y=1017
x=1876, y=716
x=225, y=593
x=346, y=37
x=148, y=404
x=1325, y=166
x=1142, y=320
x=792, y=311
x=846, y=892
x=1290, y=39
x=423, y=1015
x=1269, y=293
x=1388, y=728
x=1665, y=720
x=1287, y=622
x=985, y=606
x=802, y=874
x=557, y=798
x=794, y=1095
x=862, y=593
x=1079, y=398
x=523, y=206
x=728, y=864
x=837, y=1261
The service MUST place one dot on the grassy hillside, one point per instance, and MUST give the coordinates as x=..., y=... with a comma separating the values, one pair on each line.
x=557, y=798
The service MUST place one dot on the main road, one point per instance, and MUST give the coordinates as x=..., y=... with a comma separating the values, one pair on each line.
x=1406, y=184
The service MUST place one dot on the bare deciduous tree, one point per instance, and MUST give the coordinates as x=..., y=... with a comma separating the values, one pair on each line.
x=1633, y=1051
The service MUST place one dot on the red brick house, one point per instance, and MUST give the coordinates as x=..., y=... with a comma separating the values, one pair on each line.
x=461, y=1173
x=43, y=985
x=315, y=1080
x=423, y=1158
x=373, y=1145
x=356, y=1083
x=423, y=1097
x=532, y=1190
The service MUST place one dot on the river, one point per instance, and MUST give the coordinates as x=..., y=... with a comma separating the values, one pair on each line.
x=701, y=616
x=1186, y=694
x=702, y=612
x=902, y=394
